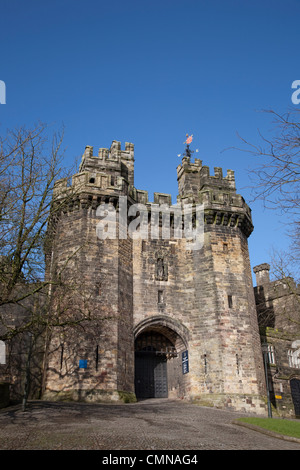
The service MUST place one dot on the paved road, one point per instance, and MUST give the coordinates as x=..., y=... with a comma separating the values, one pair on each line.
x=147, y=425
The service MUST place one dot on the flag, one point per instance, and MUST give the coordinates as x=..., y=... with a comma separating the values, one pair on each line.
x=189, y=139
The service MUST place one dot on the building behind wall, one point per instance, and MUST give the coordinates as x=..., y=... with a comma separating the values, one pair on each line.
x=167, y=320
x=21, y=356
x=278, y=309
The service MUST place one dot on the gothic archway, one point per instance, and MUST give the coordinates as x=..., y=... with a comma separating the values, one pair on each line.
x=159, y=342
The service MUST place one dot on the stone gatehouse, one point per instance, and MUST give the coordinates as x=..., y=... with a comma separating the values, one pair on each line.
x=167, y=318
x=155, y=299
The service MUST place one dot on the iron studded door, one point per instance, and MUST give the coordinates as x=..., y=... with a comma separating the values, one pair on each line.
x=144, y=375
x=150, y=376
x=160, y=378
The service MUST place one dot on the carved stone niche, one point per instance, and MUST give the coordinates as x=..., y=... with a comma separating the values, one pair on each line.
x=161, y=267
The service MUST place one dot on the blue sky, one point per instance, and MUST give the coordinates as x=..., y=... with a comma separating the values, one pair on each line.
x=149, y=72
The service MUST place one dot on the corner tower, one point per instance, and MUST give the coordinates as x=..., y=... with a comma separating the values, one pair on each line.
x=225, y=345
x=92, y=357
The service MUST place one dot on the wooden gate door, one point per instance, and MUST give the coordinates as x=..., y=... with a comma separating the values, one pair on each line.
x=150, y=375
x=160, y=377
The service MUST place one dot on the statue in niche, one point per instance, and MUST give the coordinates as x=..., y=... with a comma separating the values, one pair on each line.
x=161, y=269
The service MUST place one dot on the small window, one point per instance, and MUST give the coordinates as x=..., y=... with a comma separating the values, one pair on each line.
x=61, y=355
x=92, y=180
x=2, y=353
x=225, y=248
x=271, y=355
x=160, y=296
x=205, y=363
x=230, y=301
x=237, y=359
x=97, y=356
x=294, y=358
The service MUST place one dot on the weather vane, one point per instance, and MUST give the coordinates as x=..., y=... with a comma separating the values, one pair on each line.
x=188, y=152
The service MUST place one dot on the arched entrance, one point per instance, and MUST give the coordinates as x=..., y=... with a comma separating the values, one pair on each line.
x=151, y=375
x=158, y=367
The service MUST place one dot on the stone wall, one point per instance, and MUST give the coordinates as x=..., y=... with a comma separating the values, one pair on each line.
x=278, y=310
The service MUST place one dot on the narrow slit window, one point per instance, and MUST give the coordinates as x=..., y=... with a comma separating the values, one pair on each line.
x=2, y=352
x=61, y=356
x=97, y=356
x=237, y=363
x=160, y=297
x=230, y=301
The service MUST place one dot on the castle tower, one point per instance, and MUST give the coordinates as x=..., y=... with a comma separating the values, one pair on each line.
x=166, y=318
x=262, y=274
x=223, y=321
x=92, y=359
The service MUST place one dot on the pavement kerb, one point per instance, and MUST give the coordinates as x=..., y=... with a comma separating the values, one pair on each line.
x=266, y=431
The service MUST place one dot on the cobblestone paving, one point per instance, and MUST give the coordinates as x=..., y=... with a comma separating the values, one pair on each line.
x=146, y=425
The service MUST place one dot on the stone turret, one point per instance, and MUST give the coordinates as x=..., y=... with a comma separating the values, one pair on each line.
x=194, y=177
x=222, y=205
x=114, y=161
x=262, y=274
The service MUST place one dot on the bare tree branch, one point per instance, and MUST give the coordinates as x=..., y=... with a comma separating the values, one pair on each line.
x=30, y=164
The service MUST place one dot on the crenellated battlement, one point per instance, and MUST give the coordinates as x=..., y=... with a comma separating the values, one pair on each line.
x=113, y=153
x=113, y=160
x=109, y=175
x=217, y=193
x=194, y=177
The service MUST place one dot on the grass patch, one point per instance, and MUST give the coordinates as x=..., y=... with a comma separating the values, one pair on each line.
x=281, y=426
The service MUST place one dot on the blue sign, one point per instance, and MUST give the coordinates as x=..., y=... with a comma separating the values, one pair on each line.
x=82, y=363
x=185, y=362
